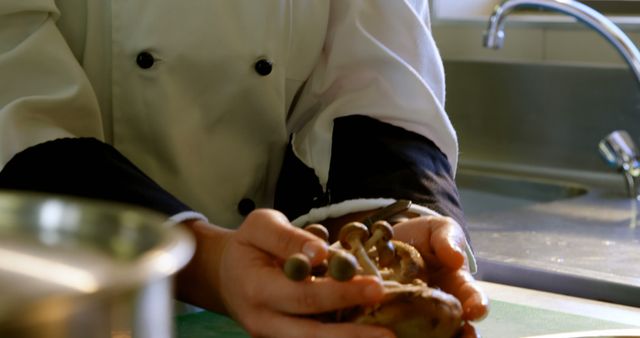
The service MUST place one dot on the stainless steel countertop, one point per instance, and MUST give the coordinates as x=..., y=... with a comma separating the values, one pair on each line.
x=582, y=246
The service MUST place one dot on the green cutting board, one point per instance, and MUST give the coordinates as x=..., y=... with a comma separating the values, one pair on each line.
x=208, y=324
x=506, y=320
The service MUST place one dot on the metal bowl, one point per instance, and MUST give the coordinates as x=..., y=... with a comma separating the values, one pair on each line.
x=82, y=268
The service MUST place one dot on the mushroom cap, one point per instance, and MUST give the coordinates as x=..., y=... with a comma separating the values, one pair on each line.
x=386, y=254
x=385, y=227
x=352, y=231
x=319, y=231
x=297, y=267
x=408, y=264
x=342, y=265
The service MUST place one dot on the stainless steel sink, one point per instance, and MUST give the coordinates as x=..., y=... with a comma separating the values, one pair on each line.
x=557, y=232
x=485, y=192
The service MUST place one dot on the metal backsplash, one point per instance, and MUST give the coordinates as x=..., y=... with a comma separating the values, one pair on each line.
x=539, y=115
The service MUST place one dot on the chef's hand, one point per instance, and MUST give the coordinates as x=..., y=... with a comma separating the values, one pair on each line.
x=441, y=242
x=240, y=273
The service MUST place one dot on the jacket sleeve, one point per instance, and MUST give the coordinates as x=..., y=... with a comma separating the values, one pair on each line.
x=380, y=60
x=44, y=94
x=375, y=124
x=89, y=168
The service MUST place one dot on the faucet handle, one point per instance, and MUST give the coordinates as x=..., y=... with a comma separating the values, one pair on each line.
x=619, y=150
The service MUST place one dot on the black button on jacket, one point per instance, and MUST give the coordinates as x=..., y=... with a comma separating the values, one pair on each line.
x=145, y=60
x=263, y=67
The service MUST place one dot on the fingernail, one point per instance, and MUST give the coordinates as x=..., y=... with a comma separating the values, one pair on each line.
x=455, y=247
x=313, y=249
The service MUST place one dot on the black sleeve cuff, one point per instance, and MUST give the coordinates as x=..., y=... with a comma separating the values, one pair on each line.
x=86, y=167
x=372, y=159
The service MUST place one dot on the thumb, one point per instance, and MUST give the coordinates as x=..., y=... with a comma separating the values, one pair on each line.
x=448, y=243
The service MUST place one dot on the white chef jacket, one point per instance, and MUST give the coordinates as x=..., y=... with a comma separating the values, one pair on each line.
x=201, y=121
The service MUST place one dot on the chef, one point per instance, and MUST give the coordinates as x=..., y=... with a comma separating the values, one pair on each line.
x=220, y=112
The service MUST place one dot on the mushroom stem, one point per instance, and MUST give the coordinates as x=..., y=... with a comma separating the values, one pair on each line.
x=382, y=233
x=352, y=235
x=365, y=262
x=377, y=235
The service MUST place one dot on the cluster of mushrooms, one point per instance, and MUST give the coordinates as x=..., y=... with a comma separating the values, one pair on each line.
x=410, y=307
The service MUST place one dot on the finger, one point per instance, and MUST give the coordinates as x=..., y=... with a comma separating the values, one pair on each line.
x=468, y=331
x=460, y=283
x=270, y=231
x=281, y=326
x=440, y=240
x=317, y=296
x=448, y=241
x=416, y=232
x=476, y=304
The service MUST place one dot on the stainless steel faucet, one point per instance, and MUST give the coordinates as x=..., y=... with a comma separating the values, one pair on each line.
x=494, y=36
x=617, y=148
x=621, y=153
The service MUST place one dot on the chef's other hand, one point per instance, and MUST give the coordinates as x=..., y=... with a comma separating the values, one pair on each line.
x=468, y=331
x=441, y=242
x=240, y=273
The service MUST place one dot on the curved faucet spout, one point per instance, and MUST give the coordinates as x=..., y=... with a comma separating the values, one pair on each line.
x=494, y=36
